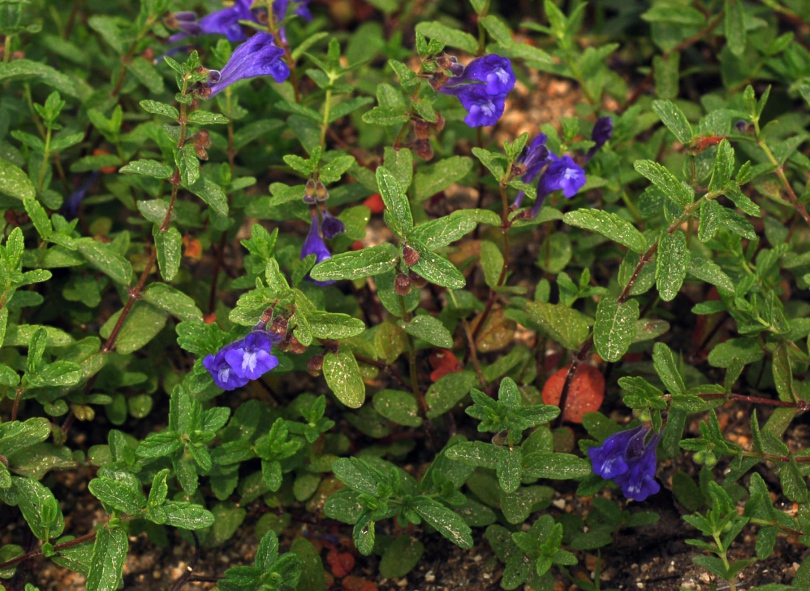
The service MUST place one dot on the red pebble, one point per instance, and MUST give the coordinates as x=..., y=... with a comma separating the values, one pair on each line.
x=375, y=203
x=586, y=393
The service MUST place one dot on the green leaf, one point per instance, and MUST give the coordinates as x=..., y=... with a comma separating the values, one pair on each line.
x=356, y=264
x=39, y=217
x=169, y=245
x=679, y=192
x=118, y=494
x=498, y=30
x=671, y=264
x=396, y=202
x=723, y=165
x=401, y=557
x=23, y=69
x=397, y=406
x=142, y=324
x=343, y=377
x=105, y=259
x=438, y=177
x=709, y=271
x=672, y=116
x=356, y=474
x=565, y=325
x=444, y=230
x=430, y=329
x=14, y=182
x=107, y=566
x=555, y=466
x=614, y=327
x=446, y=521
x=667, y=369
x=187, y=515
x=735, y=26
x=158, y=108
x=173, y=301
x=207, y=118
x=147, y=74
x=32, y=497
x=492, y=262
x=386, y=116
x=436, y=269
x=609, y=225
x=326, y=325
x=448, y=391
x=477, y=454
x=151, y=168
x=212, y=194
x=451, y=37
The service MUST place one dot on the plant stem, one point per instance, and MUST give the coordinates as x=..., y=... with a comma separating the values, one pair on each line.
x=7, y=49
x=414, y=370
x=505, y=225
x=326, y=108
x=46, y=155
x=273, y=30
x=780, y=172
x=128, y=56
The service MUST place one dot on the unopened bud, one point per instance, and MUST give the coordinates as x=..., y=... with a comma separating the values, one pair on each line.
x=279, y=326
x=439, y=125
x=437, y=80
x=410, y=256
x=202, y=140
x=402, y=285
x=418, y=281
x=456, y=70
x=423, y=149
x=321, y=194
x=444, y=60
x=309, y=192
x=422, y=129
x=295, y=346
x=315, y=365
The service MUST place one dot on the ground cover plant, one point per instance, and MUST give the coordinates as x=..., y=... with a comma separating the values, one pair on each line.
x=317, y=295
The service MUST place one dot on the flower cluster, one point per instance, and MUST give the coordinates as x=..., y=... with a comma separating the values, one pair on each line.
x=247, y=359
x=561, y=172
x=481, y=88
x=226, y=21
x=258, y=56
x=629, y=461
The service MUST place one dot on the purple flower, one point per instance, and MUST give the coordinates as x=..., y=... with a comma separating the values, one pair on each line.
x=534, y=158
x=250, y=358
x=626, y=459
x=331, y=226
x=314, y=244
x=258, y=56
x=223, y=372
x=70, y=208
x=562, y=174
x=482, y=88
x=221, y=22
x=494, y=71
x=602, y=130
x=482, y=108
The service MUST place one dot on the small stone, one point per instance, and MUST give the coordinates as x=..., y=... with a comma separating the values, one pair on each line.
x=559, y=503
x=429, y=576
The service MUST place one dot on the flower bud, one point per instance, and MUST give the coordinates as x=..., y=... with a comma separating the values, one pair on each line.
x=279, y=326
x=321, y=194
x=315, y=365
x=295, y=346
x=402, y=285
x=456, y=69
x=410, y=256
x=439, y=125
x=309, y=192
x=437, y=80
x=422, y=129
x=423, y=149
x=418, y=281
x=202, y=140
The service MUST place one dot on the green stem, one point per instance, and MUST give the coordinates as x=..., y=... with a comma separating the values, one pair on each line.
x=414, y=370
x=7, y=49
x=45, y=158
x=326, y=109
x=780, y=172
